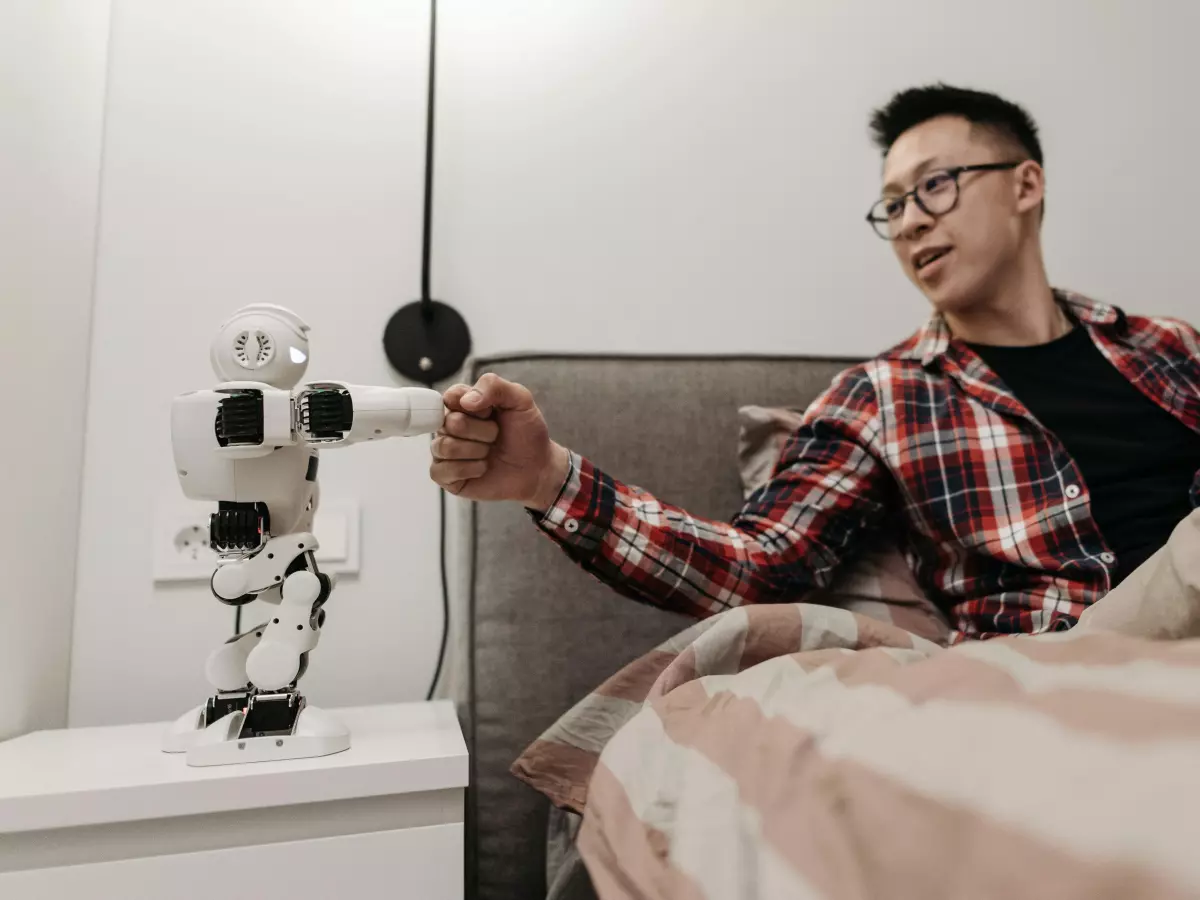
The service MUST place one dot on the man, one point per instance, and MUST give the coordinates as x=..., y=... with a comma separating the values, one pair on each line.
x=1035, y=446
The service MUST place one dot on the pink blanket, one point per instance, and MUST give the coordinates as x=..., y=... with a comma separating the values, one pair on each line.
x=805, y=751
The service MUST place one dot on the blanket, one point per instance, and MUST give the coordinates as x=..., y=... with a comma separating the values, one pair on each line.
x=799, y=751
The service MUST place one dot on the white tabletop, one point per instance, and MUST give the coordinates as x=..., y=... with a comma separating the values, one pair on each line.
x=88, y=776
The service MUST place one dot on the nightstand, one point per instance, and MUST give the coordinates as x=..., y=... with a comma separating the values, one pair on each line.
x=103, y=813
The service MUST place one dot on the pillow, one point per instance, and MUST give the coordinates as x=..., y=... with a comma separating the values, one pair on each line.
x=1160, y=599
x=880, y=583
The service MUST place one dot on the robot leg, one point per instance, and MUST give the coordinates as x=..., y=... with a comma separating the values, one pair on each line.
x=277, y=722
x=276, y=662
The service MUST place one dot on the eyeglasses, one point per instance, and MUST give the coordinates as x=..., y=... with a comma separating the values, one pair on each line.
x=936, y=193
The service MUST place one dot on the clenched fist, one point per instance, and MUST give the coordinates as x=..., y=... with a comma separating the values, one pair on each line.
x=494, y=445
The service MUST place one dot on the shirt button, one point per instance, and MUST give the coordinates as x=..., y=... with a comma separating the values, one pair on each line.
x=571, y=525
x=1072, y=491
x=1108, y=558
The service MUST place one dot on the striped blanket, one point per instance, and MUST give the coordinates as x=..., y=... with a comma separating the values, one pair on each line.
x=801, y=751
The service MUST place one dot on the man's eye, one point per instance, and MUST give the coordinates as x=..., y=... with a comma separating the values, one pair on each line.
x=939, y=181
x=894, y=209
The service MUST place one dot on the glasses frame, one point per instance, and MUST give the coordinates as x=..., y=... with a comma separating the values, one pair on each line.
x=954, y=172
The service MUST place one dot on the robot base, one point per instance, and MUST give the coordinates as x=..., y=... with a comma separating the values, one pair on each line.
x=228, y=742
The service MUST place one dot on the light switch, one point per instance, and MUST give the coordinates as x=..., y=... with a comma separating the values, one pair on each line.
x=336, y=527
x=329, y=527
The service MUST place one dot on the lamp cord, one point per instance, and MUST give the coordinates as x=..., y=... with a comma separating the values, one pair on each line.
x=427, y=225
x=437, y=671
x=427, y=309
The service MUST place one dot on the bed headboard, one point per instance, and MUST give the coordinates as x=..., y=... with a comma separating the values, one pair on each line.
x=538, y=632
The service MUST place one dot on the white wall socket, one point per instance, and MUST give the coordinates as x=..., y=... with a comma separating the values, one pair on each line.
x=181, y=551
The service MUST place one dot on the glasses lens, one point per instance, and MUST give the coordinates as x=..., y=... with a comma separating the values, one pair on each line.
x=938, y=192
x=885, y=217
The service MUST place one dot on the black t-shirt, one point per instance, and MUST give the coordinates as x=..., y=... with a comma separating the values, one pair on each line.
x=1138, y=460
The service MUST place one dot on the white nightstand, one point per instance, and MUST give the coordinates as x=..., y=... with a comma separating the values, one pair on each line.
x=102, y=813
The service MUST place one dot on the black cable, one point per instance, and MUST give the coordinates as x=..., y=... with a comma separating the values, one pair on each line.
x=427, y=307
x=427, y=229
x=437, y=671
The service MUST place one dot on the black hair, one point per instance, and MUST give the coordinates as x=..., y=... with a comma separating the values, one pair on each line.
x=911, y=107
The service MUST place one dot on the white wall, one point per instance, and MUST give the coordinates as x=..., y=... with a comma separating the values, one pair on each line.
x=255, y=152
x=52, y=59
x=679, y=175
x=693, y=175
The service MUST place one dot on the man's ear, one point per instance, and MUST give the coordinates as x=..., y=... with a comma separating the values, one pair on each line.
x=1030, y=185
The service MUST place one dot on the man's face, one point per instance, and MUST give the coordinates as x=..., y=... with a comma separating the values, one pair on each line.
x=958, y=257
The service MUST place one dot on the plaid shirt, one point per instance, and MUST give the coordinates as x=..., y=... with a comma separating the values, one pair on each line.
x=995, y=515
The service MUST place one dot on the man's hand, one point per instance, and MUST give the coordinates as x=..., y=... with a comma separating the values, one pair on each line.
x=494, y=445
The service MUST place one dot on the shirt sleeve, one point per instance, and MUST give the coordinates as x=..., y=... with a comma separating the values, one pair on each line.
x=1188, y=335
x=827, y=492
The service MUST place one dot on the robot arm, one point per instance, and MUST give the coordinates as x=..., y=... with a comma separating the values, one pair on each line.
x=261, y=354
x=333, y=413
x=253, y=449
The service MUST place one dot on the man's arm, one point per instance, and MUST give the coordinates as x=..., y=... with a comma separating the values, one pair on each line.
x=827, y=492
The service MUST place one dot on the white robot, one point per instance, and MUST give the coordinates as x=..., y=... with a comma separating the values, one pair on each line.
x=251, y=444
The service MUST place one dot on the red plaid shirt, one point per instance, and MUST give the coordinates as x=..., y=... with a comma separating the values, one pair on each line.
x=996, y=518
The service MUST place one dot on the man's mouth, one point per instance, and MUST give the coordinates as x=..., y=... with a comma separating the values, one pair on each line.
x=927, y=257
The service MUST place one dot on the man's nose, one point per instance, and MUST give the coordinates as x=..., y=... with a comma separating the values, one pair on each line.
x=915, y=221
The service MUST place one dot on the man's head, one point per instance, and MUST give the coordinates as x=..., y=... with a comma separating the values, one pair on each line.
x=965, y=231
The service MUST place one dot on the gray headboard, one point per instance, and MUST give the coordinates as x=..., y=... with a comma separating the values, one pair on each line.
x=540, y=632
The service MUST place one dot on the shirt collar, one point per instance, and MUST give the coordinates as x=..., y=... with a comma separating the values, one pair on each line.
x=934, y=339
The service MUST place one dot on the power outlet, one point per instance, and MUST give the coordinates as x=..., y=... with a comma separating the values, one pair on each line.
x=191, y=543
x=182, y=551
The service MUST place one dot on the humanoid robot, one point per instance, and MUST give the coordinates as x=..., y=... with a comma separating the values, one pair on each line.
x=251, y=445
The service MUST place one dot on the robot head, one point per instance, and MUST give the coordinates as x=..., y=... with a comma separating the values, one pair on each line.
x=262, y=342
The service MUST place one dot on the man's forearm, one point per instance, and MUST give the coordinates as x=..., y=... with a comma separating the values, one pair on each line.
x=661, y=554
x=827, y=492
x=551, y=482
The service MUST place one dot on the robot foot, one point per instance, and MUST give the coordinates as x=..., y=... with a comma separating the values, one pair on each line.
x=271, y=727
x=272, y=715
x=187, y=729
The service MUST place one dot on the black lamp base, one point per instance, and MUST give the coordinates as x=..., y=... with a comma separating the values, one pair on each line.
x=427, y=341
